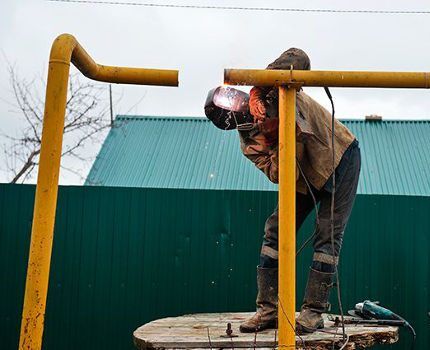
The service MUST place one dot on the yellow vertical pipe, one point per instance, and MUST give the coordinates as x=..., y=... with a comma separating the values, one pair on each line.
x=45, y=205
x=287, y=217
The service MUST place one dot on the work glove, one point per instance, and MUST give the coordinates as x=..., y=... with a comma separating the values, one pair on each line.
x=270, y=130
x=256, y=104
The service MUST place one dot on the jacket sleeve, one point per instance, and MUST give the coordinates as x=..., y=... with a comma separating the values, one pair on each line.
x=262, y=153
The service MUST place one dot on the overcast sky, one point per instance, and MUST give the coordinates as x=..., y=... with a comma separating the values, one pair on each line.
x=201, y=43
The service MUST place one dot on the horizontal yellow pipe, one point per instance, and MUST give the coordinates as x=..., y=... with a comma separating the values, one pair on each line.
x=257, y=77
x=66, y=48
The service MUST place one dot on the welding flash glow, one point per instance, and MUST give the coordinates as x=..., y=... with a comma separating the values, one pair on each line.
x=224, y=98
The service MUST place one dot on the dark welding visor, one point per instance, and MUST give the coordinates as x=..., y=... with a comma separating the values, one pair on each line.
x=228, y=108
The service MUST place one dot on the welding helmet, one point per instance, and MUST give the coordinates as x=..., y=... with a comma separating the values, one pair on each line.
x=228, y=108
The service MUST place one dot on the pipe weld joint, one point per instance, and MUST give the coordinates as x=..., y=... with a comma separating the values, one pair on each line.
x=56, y=60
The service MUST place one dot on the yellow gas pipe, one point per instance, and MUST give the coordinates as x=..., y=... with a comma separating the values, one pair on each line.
x=288, y=81
x=287, y=210
x=65, y=49
x=257, y=77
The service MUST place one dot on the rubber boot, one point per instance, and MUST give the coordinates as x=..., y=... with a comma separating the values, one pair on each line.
x=315, y=302
x=267, y=301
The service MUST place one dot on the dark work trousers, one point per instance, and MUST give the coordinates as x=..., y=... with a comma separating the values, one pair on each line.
x=347, y=174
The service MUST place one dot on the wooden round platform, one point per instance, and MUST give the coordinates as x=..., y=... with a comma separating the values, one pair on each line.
x=208, y=331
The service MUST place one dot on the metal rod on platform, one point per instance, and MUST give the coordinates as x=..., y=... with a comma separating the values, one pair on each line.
x=65, y=50
x=287, y=211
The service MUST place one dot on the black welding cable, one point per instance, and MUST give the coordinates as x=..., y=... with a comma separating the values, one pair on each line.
x=333, y=192
x=345, y=336
x=414, y=335
x=339, y=297
x=410, y=328
x=291, y=325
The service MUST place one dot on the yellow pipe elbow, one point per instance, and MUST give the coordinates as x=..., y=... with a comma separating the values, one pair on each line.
x=66, y=49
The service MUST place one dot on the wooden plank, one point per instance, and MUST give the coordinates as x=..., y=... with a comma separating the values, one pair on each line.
x=205, y=331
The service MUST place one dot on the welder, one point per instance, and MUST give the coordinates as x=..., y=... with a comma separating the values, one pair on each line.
x=327, y=167
x=314, y=180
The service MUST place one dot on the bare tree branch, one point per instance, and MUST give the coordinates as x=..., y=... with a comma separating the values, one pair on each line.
x=27, y=167
x=86, y=120
x=73, y=171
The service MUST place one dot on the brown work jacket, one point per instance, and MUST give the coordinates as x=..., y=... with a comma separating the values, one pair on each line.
x=313, y=145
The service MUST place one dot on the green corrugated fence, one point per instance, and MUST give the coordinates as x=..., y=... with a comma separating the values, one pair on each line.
x=125, y=256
